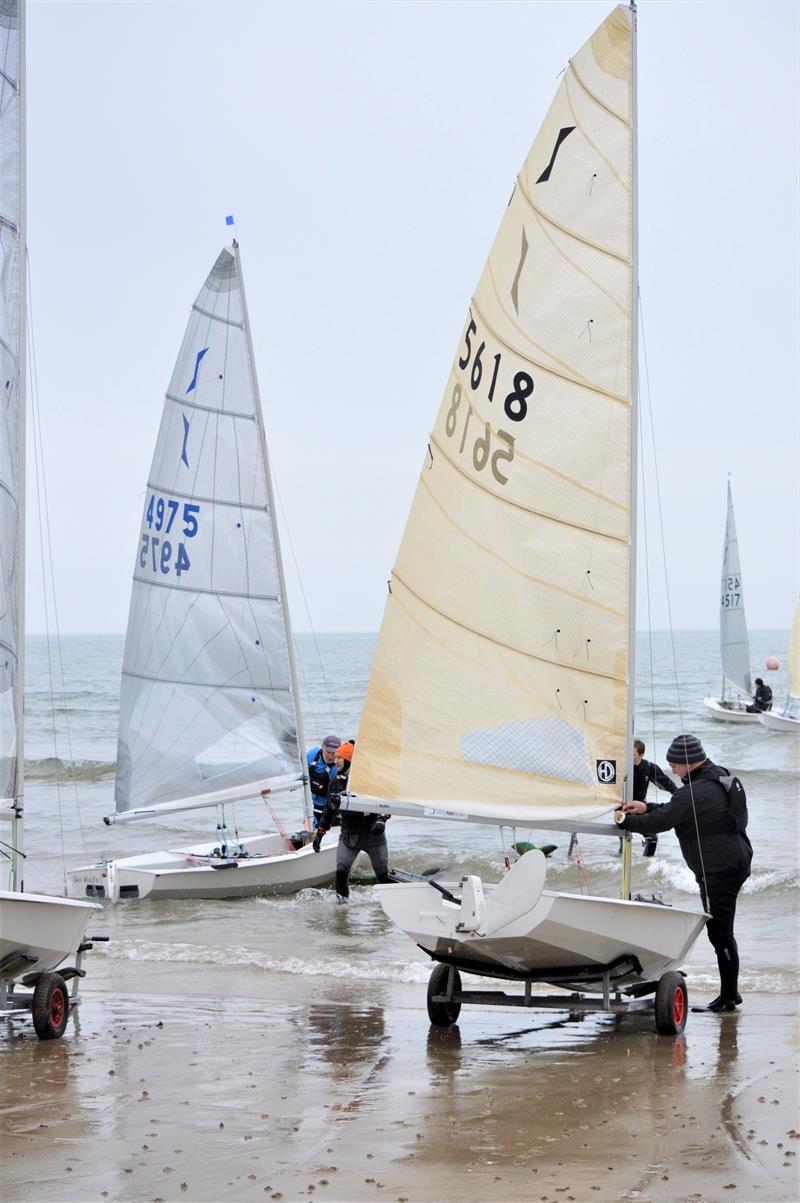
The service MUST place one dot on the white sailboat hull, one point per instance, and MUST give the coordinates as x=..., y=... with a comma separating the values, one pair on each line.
x=779, y=722
x=726, y=711
x=43, y=930
x=559, y=933
x=270, y=868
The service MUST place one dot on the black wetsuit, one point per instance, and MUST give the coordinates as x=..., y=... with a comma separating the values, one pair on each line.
x=360, y=833
x=762, y=700
x=720, y=862
x=643, y=773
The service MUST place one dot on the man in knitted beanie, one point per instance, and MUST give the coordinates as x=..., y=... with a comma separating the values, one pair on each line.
x=710, y=804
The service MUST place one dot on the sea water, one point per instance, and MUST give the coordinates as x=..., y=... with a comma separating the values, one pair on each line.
x=70, y=786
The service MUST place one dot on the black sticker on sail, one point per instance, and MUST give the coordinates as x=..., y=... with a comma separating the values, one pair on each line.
x=562, y=135
x=606, y=772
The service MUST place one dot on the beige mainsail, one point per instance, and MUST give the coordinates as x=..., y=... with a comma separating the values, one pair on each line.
x=501, y=674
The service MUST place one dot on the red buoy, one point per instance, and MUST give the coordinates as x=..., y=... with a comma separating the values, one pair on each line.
x=772, y=663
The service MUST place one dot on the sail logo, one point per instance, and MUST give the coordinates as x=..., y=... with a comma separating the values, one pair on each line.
x=197, y=363
x=185, y=449
x=607, y=771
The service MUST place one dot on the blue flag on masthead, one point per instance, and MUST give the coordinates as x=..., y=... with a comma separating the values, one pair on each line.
x=229, y=220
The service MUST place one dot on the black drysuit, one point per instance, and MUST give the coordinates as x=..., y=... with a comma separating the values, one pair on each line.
x=726, y=856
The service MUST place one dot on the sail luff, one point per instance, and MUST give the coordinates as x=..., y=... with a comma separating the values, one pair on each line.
x=634, y=409
x=298, y=716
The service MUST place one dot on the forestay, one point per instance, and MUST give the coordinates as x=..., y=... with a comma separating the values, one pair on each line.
x=12, y=295
x=733, y=645
x=206, y=685
x=501, y=675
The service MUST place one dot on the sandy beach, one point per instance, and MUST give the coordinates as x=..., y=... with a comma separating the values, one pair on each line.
x=189, y=1083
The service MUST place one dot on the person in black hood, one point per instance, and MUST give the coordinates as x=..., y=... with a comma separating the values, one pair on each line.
x=360, y=832
x=720, y=859
x=762, y=698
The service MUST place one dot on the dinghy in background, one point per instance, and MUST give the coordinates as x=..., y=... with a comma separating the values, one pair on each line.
x=734, y=647
x=210, y=710
x=502, y=686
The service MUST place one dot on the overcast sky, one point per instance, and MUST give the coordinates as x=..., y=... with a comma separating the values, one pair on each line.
x=368, y=151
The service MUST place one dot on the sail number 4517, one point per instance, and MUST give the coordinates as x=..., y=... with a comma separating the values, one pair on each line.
x=158, y=552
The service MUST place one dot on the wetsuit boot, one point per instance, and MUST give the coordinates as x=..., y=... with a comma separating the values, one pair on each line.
x=342, y=885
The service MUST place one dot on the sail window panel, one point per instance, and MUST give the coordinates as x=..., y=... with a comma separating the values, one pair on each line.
x=587, y=190
x=567, y=309
x=508, y=576
x=451, y=717
x=206, y=454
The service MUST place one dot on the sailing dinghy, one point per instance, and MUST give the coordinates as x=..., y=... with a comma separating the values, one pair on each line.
x=37, y=933
x=734, y=647
x=788, y=719
x=502, y=685
x=209, y=711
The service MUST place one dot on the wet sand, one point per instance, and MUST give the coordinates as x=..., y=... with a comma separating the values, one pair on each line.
x=187, y=1083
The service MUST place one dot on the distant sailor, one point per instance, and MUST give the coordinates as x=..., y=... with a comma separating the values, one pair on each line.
x=645, y=771
x=321, y=772
x=712, y=803
x=762, y=698
x=360, y=832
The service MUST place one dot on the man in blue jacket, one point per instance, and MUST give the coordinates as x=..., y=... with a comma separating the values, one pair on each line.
x=321, y=772
x=714, y=843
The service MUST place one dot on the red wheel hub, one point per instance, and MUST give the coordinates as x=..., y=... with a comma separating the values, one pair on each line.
x=57, y=1003
x=679, y=1005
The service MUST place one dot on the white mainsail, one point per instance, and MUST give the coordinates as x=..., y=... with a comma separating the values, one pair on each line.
x=12, y=433
x=207, y=697
x=503, y=668
x=733, y=644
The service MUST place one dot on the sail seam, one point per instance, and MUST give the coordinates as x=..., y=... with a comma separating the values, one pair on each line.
x=510, y=647
x=521, y=506
x=236, y=505
x=8, y=648
x=11, y=83
x=543, y=367
x=209, y=409
x=215, y=685
x=533, y=580
x=215, y=317
x=591, y=141
x=595, y=246
x=268, y=597
x=601, y=104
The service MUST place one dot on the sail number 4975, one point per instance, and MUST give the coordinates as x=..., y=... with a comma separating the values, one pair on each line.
x=158, y=552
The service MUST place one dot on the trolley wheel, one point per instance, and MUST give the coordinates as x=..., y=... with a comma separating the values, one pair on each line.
x=443, y=1014
x=50, y=1007
x=672, y=1004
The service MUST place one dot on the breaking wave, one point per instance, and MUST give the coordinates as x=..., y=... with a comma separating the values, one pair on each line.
x=53, y=768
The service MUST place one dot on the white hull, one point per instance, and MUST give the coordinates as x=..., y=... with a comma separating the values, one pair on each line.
x=779, y=722
x=44, y=930
x=729, y=712
x=190, y=873
x=547, y=939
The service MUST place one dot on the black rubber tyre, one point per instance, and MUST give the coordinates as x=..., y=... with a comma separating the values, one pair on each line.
x=672, y=1004
x=50, y=1008
x=443, y=1015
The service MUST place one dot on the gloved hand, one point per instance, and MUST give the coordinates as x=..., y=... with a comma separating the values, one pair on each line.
x=378, y=827
x=317, y=840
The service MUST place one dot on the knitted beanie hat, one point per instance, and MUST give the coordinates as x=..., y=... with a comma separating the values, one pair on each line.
x=685, y=749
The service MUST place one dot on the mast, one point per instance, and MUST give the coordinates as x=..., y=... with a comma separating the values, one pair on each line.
x=17, y=827
x=634, y=471
x=287, y=625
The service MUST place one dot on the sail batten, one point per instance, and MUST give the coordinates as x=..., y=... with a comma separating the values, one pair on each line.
x=502, y=673
x=207, y=699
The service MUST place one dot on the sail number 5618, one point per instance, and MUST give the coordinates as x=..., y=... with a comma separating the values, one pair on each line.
x=482, y=453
